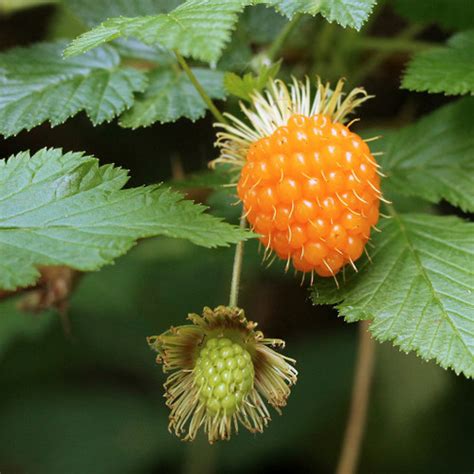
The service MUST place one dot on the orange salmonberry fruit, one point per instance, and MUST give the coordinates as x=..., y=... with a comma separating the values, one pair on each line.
x=309, y=185
x=311, y=190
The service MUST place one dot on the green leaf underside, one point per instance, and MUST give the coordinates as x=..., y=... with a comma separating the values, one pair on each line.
x=63, y=209
x=93, y=12
x=418, y=291
x=447, y=13
x=171, y=95
x=38, y=85
x=449, y=70
x=243, y=87
x=432, y=159
x=201, y=28
x=351, y=13
x=197, y=28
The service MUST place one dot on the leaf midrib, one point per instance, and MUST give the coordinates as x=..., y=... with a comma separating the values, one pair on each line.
x=422, y=272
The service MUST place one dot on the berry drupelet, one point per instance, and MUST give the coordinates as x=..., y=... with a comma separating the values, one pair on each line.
x=310, y=187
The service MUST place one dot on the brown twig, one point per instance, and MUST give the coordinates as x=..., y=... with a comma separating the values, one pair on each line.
x=355, y=428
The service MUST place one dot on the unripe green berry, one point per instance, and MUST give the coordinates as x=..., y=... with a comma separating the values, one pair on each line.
x=214, y=385
x=223, y=374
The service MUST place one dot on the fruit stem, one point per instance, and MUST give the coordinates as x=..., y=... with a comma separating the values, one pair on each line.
x=239, y=248
x=237, y=267
x=197, y=85
x=278, y=42
x=359, y=402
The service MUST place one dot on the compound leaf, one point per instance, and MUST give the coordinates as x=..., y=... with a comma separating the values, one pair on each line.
x=63, y=209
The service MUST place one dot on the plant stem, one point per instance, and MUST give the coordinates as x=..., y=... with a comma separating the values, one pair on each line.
x=359, y=402
x=278, y=42
x=237, y=267
x=239, y=248
x=197, y=85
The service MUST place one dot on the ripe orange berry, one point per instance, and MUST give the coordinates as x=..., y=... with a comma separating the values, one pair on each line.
x=311, y=190
x=309, y=185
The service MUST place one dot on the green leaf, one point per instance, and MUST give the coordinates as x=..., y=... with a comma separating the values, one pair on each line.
x=449, y=69
x=63, y=209
x=433, y=158
x=418, y=291
x=351, y=13
x=197, y=28
x=243, y=87
x=93, y=12
x=171, y=95
x=201, y=28
x=447, y=13
x=37, y=85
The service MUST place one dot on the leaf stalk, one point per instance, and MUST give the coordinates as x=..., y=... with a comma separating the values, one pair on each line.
x=197, y=85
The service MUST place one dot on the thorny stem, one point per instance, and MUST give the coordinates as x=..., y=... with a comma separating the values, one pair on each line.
x=355, y=427
x=197, y=85
x=282, y=37
x=237, y=267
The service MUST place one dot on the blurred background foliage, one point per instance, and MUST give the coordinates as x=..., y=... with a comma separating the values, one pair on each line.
x=85, y=396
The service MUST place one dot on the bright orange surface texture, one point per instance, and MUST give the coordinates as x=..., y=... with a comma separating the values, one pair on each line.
x=311, y=189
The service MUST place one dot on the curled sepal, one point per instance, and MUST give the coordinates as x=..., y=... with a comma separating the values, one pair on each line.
x=223, y=371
